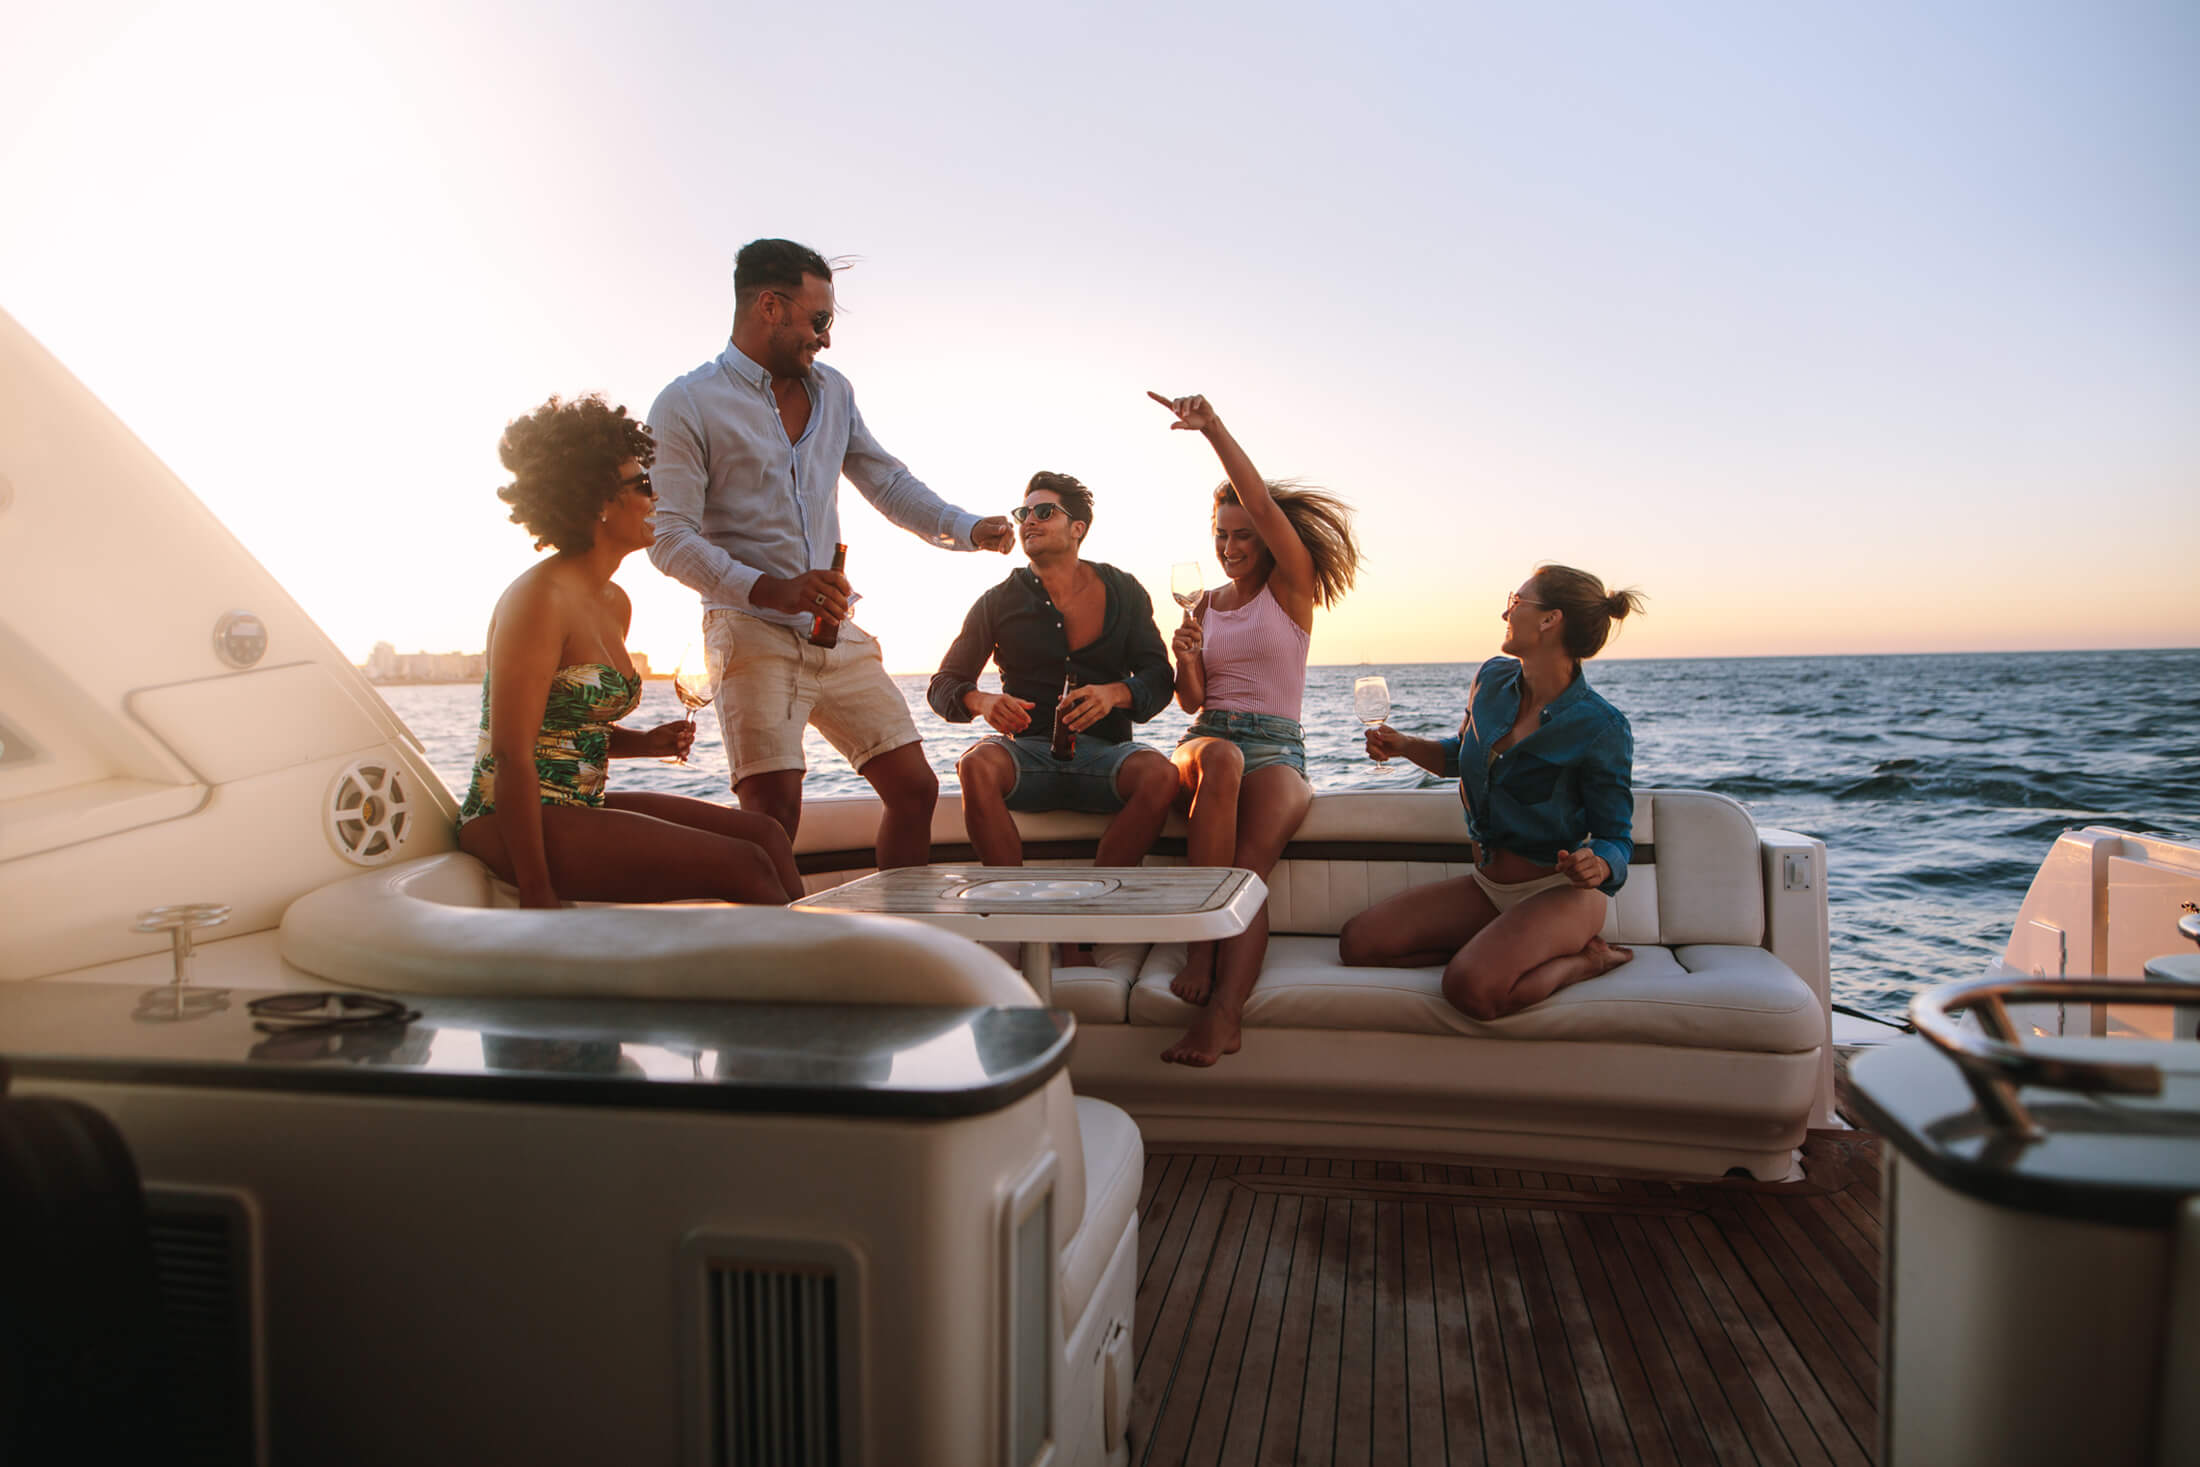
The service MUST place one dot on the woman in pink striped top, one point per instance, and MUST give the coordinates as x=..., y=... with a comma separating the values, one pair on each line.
x=1241, y=670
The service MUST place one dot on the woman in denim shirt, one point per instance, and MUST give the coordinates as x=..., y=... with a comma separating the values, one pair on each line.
x=1546, y=771
x=1241, y=670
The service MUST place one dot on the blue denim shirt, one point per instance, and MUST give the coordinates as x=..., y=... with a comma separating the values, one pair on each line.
x=1570, y=778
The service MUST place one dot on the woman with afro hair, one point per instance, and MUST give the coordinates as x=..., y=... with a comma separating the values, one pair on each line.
x=537, y=813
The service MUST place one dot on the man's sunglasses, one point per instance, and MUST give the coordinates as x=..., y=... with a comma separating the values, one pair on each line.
x=1040, y=512
x=820, y=321
x=291, y=1013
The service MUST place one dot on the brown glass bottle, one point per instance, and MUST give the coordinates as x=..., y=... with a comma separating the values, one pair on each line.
x=1063, y=745
x=824, y=630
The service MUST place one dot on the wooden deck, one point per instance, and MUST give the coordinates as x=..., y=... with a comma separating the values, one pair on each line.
x=1300, y=1309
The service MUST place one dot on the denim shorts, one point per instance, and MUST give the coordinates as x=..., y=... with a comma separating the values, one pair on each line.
x=1084, y=781
x=1262, y=738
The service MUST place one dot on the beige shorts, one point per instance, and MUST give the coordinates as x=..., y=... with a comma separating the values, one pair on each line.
x=1505, y=895
x=771, y=682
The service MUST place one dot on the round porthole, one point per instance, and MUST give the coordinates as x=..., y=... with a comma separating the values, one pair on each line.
x=369, y=813
x=240, y=638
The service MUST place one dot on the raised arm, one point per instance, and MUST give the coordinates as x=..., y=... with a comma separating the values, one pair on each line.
x=525, y=638
x=1292, y=583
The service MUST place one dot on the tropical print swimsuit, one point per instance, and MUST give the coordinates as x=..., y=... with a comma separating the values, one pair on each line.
x=574, y=747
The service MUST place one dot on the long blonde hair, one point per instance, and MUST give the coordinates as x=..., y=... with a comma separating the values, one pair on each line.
x=1323, y=523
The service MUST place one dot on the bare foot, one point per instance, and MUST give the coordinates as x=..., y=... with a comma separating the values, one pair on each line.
x=1197, y=979
x=1212, y=1035
x=1604, y=957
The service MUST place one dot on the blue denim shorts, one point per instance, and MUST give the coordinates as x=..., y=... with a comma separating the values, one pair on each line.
x=1262, y=738
x=1084, y=781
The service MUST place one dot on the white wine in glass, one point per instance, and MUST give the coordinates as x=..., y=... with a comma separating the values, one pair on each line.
x=692, y=686
x=1186, y=580
x=1371, y=700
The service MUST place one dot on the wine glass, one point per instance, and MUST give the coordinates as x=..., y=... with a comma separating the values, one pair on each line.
x=1187, y=578
x=1371, y=700
x=692, y=686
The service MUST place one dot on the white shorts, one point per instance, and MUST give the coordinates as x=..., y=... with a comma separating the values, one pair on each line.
x=771, y=682
x=1505, y=895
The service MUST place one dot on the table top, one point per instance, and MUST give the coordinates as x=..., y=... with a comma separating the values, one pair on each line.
x=1067, y=903
x=676, y=1054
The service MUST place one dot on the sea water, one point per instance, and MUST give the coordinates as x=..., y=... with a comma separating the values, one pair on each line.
x=1936, y=782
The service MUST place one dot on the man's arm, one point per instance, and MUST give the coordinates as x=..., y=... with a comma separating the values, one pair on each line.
x=966, y=658
x=681, y=476
x=904, y=498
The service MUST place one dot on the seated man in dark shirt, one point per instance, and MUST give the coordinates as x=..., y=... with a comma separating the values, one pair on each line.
x=1060, y=619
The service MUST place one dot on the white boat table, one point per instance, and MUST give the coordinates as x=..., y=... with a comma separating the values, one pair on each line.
x=1039, y=908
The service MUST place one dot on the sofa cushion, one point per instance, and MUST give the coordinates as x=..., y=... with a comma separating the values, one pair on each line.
x=1697, y=997
x=1099, y=992
x=1713, y=891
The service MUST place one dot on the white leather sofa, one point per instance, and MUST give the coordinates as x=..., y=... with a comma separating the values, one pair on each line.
x=1710, y=1051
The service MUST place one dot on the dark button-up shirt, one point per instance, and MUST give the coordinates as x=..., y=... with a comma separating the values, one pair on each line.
x=1570, y=779
x=1017, y=625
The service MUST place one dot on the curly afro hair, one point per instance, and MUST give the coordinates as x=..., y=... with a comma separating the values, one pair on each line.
x=565, y=457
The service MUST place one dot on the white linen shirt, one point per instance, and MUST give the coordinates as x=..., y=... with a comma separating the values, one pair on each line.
x=736, y=500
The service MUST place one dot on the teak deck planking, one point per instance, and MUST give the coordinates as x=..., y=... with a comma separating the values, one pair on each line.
x=1312, y=1309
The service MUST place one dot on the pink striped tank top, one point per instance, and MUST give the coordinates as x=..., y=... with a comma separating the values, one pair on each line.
x=1255, y=658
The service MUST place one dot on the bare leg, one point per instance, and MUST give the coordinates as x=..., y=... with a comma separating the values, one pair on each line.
x=1554, y=930
x=988, y=773
x=1419, y=928
x=1209, y=771
x=910, y=789
x=1544, y=979
x=1148, y=784
x=776, y=793
x=1272, y=804
x=612, y=855
x=759, y=830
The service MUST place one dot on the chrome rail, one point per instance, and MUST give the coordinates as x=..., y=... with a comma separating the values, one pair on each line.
x=1995, y=1063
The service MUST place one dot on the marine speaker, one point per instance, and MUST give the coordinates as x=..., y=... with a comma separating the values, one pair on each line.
x=369, y=813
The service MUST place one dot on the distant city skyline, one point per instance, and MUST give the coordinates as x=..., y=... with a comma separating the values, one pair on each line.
x=1869, y=329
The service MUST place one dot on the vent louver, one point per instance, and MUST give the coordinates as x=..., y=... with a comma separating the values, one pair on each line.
x=774, y=1387
x=202, y=1260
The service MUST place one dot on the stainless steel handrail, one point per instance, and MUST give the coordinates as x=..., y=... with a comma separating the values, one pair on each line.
x=1994, y=1063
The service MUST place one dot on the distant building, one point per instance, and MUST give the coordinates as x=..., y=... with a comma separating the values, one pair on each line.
x=388, y=665
x=641, y=662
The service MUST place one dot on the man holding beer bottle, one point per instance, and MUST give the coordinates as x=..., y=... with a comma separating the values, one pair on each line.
x=751, y=447
x=1080, y=658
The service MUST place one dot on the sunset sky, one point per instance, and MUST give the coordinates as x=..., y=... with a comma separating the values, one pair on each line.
x=1872, y=327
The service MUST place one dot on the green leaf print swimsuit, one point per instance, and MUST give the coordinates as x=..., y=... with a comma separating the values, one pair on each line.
x=574, y=747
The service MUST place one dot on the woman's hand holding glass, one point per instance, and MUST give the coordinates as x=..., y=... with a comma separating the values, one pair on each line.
x=1385, y=743
x=691, y=684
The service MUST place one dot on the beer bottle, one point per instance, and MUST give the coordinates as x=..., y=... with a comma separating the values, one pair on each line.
x=824, y=630
x=1064, y=743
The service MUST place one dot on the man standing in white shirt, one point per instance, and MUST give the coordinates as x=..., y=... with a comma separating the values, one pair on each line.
x=751, y=447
